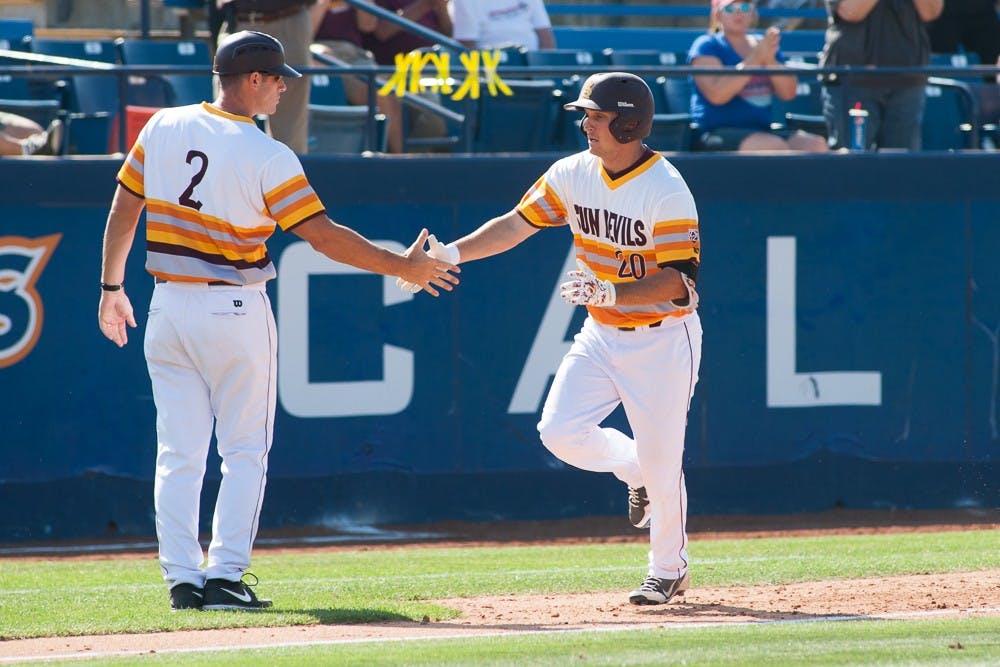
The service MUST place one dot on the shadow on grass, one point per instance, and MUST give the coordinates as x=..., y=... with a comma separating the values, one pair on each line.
x=341, y=616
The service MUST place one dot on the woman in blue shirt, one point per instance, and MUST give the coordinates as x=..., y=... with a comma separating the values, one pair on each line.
x=733, y=113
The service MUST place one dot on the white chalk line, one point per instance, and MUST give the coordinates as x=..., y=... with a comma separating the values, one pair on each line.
x=90, y=654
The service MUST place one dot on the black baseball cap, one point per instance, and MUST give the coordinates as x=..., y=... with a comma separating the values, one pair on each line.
x=249, y=51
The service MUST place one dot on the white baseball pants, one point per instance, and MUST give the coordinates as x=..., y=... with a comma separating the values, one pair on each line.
x=212, y=354
x=652, y=372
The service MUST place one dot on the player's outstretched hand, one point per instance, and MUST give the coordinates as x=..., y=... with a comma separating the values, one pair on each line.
x=113, y=313
x=446, y=253
x=586, y=289
x=426, y=269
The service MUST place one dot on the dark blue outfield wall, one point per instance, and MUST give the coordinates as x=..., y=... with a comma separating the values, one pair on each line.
x=851, y=307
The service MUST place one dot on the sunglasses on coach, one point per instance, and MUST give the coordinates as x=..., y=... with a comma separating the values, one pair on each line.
x=741, y=7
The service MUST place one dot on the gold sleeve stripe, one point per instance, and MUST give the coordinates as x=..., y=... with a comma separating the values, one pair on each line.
x=674, y=226
x=287, y=188
x=541, y=206
x=305, y=208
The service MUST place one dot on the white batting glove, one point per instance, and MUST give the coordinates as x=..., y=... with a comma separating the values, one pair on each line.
x=586, y=289
x=692, y=297
x=446, y=253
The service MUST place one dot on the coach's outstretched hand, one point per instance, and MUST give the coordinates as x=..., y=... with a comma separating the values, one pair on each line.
x=428, y=268
x=436, y=249
x=114, y=312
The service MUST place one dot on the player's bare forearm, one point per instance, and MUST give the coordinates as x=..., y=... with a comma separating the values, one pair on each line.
x=495, y=236
x=663, y=285
x=343, y=244
x=119, y=234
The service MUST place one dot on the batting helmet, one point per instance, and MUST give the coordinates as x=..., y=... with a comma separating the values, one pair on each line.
x=624, y=93
x=248, y=51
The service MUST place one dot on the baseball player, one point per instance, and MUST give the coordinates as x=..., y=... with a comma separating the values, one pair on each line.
x=635, y=231
x=214, y=188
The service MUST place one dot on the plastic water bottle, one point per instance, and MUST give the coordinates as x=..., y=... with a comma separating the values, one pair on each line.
x=859, y=128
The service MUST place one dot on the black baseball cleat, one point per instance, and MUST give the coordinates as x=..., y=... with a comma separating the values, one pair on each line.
x=659, y=591
x=223, y=594
x=638, y=507
x=186, y=596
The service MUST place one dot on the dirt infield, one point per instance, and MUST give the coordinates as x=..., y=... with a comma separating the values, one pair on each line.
x=962, y=593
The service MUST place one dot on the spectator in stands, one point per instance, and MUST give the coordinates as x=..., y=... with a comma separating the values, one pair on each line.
x=338, y=30
x=387, y=39
x=967, y=25
x=733, y=113
x=881, y=33
x=290, y=23
x=23, y=136
x=492, y=24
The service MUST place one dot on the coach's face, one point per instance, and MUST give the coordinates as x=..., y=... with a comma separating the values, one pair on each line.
x=268, y=88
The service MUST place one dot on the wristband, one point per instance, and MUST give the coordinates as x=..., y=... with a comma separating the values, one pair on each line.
x=111, y=288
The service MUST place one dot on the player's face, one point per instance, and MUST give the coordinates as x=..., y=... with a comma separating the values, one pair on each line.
x=596, y=127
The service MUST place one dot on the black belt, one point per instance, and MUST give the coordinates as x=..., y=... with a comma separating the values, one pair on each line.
x=651, y=326
x=266, y=17
x=214, y=283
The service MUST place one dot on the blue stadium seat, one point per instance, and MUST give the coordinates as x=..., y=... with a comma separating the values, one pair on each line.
x=91, y=100
x=13, y=32
x=524, y=121
x=950, y=115
x=187, y=88
x=338, y=129
x=804, y=111
x=626, y=59
x=327, y=89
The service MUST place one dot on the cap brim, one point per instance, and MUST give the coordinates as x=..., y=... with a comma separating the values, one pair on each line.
x=285, y=70
x=581, y=104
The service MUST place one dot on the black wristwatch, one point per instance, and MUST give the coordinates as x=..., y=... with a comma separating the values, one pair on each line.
x=107, y=287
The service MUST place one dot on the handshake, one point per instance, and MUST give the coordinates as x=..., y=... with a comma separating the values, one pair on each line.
x=437, y=250
x=584, y=288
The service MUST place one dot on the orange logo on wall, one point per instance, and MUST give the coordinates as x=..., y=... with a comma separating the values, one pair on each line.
x=22, y=261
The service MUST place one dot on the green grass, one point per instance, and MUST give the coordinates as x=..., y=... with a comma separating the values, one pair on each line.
x=974, y=641
x=72, y=597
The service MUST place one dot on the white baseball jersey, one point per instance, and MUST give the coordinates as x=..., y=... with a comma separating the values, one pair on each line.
x=624, y=228
x=216, y=187
x=209, y=206
x=493, y=23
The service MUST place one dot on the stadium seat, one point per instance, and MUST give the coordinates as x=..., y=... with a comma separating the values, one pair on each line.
x=91, y=100
x=804, y=111
x=950, y=115
x=524, y=121
x=340, y=129
x=13, y=31
x=186, y=88
x=628, y=59
x=327, y=89
x=670, y=132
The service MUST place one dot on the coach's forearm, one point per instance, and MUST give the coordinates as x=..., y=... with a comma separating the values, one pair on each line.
x=343, y=244
x=119, y=234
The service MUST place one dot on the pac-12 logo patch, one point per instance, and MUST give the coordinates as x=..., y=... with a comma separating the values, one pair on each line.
x=22, y=261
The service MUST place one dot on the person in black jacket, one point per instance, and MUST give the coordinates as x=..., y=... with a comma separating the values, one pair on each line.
x=888, y=33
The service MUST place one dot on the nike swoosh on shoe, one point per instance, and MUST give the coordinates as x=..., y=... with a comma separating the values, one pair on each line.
x=243, y=597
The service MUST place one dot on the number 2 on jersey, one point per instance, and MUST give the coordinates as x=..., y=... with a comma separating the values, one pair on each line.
x=185, y=198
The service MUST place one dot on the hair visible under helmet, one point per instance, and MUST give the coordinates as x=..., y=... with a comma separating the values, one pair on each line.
x=623, y=93
x=249, y=51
